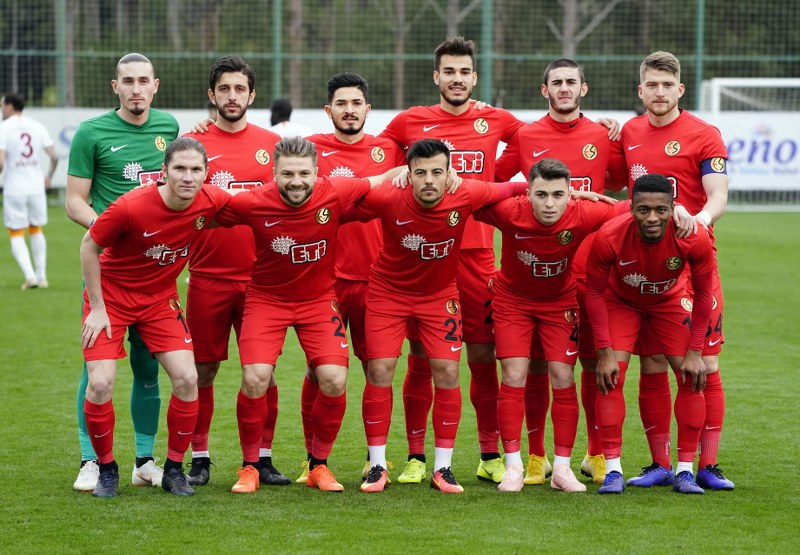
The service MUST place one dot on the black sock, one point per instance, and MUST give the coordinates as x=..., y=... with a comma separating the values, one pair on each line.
x=256, y=464
x=265, y=461
x=142, y=460
x=419, y=456
x=170, y=464
x=313, y=463
x=489, y=456
x=112, y=466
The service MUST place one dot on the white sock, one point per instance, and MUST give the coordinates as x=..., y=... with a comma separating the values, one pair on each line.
x=264, y=452
x=683, y=467
x=613, y=465
x=39, y=249
x=443, y=458
x=513, y=458
x=377, y=455
x=198, y=454
x=561, y=460
x=20, y=251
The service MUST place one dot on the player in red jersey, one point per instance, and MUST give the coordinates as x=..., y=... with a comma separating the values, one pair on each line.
x=636, y=287
x=349, y=152
x=473, y=136
x=222, y=260
x=691, y=153
x=596, y=163
x=145, y=238
x=295, y=222
x=414, y=279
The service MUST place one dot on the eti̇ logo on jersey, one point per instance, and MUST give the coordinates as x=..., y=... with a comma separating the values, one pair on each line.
x=481, y=126
x=161, y=143
x=672, y=148
x=570, y=316
x=262, y=157
x=323, y=216
x=565, y=237
x=673, y=263
x=589, y=152
x=199, y=222
x=453, y=218
x=686, y=303
x=452, y=306
x=718, y=165
x=378, y=155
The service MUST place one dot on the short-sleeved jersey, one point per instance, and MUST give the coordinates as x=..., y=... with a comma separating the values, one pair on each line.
x=581, y=144
x=23, y=139
x=421, y=245
x=358, y=243
x=295, y=247
x=536, y=260
x=473, y=138
x=147, y=244
x=240, y=160
x=117, y=155
x=675, y=150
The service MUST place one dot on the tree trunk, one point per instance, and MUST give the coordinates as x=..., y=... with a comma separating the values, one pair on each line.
x=174, y=24
x=569, y=28
x=399, y=52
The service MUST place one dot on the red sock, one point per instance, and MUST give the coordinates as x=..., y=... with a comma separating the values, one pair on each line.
x=589, y=393
x=327, y=415
x=100, y=422
x=250, y=413
x=308, y=396
x=376, y=410
x=537, y=401
x=268, y=432
x=715, y=415
x=417, y=401
x=564, y=414
x=181, y=422
x=205, y=411
x=510, y=412
x=483, y=392
x=610, y=414
x=446, y=416
x=690, y=412
x=655, y=409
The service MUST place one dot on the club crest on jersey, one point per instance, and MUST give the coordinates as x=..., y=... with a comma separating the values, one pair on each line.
x=262, y=157
x=199, y=222
x=161, y=143
x=590, y=151
x=673, y=263
x=481, y=126
x=378, y=155
x=672, y=148
x=686, y=303
x=718, y=164
x=335, y=306
x=323, y=216
x=453, y=218
x=565, y=237
x=571, y=316
x=452, y=306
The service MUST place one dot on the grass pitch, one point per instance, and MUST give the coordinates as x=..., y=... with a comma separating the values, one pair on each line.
x=39, y=452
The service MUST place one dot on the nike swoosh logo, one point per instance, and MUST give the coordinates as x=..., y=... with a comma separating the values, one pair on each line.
x=398, y=222
x=538, y=153
x=633, y=147
x=712, y=343
x=621, y=263
x=533, y=430
x=102, y=435
x=648, y=429
x=215, y=157
x=187, y=339
x=449, y=423
x=116, y=148
x=374, y=421
x=149, y=234
x=427, y=128
x=712, y=427
x=267, y=224
x=343, y=345
x=417, y=431
x=570, y=353
x=325, y=153
x=150, y=385
x=184, y=433
x=455, y=349
x=520, y=237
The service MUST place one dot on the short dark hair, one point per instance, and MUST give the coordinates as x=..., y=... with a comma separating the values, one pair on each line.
x=652, y=183
x=231, y=64
x=347, y=79
x=558, y=64
x=294, y=147
x=454, y=46
x=281, y=110
x=184, y=143
x=427, y=148
x=549, y=169
x=131, y=58
x=16, y=100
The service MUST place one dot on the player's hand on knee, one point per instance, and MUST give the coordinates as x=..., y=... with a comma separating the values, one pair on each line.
x=694, y=366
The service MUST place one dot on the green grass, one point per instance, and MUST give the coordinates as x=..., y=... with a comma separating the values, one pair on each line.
x=39, y=453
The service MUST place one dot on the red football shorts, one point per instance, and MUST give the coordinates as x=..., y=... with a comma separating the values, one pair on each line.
x=437, y=320
x=585, y=333
x=213, y=307
x=158, y=319
x=318, y=324
x=661, y=328
x=476, y=270
x=352, y=297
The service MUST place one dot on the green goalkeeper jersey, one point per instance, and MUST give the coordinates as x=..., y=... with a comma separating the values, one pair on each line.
x=117, y=155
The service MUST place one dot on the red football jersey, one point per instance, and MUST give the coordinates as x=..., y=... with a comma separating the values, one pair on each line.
x=473, y=138
x=536, y=260
x=235, y=161
x=295, y=247
x=147, y=244
x=358, y=243
x=581, y=144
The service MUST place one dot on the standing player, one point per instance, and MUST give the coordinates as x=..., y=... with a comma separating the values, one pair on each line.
x=691, y=153
x=131, y=258
x=222, y=259
x=349, y=152
x=596, y=163
x=414, y=279
x=22, y=141
x=110, y=155
x=473, y=137
x=636, y=288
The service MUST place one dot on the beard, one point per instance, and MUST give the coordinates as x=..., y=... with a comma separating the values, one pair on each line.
x=561, y=109
x=233, y=118
x=349, y=130
x=137, y=110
